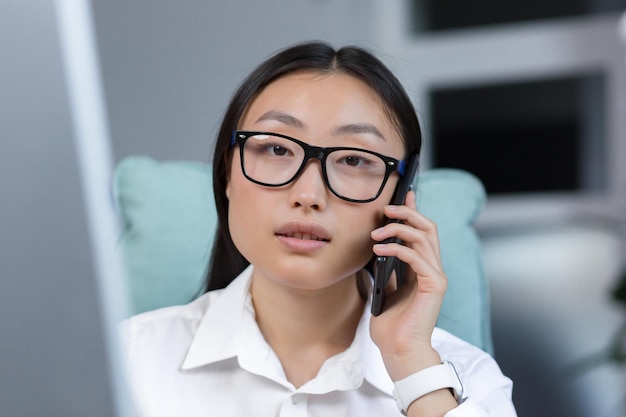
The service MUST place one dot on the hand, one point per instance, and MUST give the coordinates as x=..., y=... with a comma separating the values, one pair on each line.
x=403, y=331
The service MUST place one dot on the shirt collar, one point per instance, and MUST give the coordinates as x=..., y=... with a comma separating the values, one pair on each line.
x=220, y=333
x=217, y=336
x=375, y=372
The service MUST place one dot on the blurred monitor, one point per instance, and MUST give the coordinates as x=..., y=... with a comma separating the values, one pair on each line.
x=61, y=288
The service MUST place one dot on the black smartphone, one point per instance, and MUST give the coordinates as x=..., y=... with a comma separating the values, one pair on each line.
x=384, y=265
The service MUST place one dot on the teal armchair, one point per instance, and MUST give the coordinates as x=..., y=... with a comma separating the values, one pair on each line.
x=169, y=221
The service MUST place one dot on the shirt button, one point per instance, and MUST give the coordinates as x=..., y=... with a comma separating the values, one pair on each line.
x=297, y=398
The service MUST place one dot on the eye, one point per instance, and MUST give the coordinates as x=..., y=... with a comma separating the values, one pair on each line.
x=356, y=162
x=268, y=146
x=278, y=150
x=353, y=161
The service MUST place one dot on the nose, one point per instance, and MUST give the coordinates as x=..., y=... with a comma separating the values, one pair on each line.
x=308, y=190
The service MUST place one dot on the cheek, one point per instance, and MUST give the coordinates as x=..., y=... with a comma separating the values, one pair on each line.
x=243, y=210
x=358, y=228
x=245, y=220
x=387, y=193
x=372, y=218
x=384, y=199
x=237, y=227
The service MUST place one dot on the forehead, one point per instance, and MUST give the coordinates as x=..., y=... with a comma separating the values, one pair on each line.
x=321, y=100
x=311, y=85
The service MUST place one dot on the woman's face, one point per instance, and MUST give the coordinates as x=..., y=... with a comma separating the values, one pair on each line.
x=301, y=235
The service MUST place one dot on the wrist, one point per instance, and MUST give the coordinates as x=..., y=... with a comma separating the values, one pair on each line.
x=400, y=366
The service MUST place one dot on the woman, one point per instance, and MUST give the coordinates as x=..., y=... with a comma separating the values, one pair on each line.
x=305, y=165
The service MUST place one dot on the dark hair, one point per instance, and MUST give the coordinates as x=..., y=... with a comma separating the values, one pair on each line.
x=226, y=261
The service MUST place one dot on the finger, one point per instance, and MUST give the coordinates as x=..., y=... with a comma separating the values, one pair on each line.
x=420, y=265
x=407, y=233
x=417, y=240
x=409, y=200
x=425, y=239
x=410, y=217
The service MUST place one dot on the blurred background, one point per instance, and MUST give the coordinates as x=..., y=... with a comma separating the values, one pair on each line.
x=529, y=96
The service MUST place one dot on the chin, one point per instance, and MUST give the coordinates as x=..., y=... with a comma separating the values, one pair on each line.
x=310, y=276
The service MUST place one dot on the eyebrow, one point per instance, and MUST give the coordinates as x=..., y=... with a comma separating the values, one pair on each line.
x=347, y=129
x=357, y=128
x=281, y=117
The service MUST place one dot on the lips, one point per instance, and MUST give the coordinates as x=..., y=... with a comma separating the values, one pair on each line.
x=304, y=236
x=305, y=231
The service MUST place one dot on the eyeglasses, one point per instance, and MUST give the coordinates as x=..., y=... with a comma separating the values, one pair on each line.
x=352, y=174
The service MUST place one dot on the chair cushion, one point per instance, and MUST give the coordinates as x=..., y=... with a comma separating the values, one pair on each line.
x=169, y=220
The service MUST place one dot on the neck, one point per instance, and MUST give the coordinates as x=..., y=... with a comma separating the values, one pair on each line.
x=306, y=327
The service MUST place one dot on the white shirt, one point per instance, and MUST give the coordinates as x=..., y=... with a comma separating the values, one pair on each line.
x=209, y=358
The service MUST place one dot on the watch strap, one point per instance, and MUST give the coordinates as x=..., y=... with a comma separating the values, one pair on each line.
x=426, y=381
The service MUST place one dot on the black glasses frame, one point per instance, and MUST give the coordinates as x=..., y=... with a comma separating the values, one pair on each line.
x=240, y=137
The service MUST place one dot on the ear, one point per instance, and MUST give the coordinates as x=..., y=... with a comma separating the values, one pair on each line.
x=228, y=167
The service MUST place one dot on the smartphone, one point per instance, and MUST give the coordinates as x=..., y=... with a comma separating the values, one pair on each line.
x=384, y=265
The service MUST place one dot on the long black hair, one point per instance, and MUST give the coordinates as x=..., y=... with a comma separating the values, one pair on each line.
x=226, y=261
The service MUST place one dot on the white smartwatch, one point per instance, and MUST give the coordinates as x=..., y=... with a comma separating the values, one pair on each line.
x=426, y=381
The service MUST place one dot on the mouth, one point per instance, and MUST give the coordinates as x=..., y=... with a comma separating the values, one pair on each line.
x=303, y=231
x=303, y=236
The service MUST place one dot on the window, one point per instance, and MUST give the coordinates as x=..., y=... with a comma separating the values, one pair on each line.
x=532, y=136
x=437, y=15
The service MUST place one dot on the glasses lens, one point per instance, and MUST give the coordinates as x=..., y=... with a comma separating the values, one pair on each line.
x=355, y=174
x=352, y=174
x=271, y=160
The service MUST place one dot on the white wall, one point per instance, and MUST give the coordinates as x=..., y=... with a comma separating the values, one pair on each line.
x=171, y=66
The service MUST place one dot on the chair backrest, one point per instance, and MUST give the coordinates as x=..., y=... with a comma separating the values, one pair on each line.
x=169, y=220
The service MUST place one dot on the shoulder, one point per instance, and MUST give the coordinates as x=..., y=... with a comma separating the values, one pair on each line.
x=175, y=324
x=169, y=331
x=452, y=347
x=485, y=386
x=479, y=372
x=188, y=312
